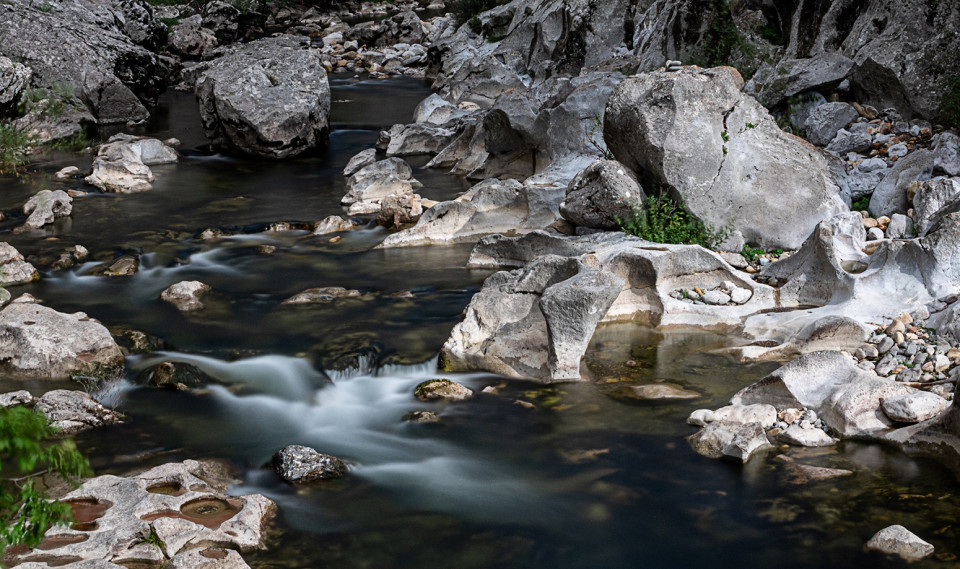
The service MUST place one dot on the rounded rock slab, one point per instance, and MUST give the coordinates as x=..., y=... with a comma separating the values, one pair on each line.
x=442, y=389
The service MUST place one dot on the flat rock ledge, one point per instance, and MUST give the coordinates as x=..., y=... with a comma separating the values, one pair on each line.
x=175, y=515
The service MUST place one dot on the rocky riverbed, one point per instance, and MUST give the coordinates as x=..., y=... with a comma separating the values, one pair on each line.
x=260, y=272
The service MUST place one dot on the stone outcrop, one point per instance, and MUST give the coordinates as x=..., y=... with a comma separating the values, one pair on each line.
x=268, y=98
x=14, y=269
x=722, y=154
x=123, y=163
x=371, y=184
x=185, y=295
x=98, y=53
x=171, y=514
x=37, y=342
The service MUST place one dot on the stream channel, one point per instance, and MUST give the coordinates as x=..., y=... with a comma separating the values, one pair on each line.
x=580, y=481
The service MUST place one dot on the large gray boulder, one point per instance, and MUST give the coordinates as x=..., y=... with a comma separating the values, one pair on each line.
x=97, y=52
x=825, y=122
x=534, y=323
x=190, y=39
x=14, y=269
x=773, y=85
x=723, y=155
x=37, y=342
x=123, y=163
x=890, y=196
x=601, y=196
x=172, y=514
x=268, y=98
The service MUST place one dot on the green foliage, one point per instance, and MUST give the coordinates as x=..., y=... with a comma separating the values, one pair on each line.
x=52, y=103
x=751, y=125
x=25, y=510
x=721, y=39
x=861, y=204
x=725, y=136
x=771, y=34
x=950, y=104
x=751, y=253
x=14, y=148
x=74, y=143
x=169, y=22
x=663, y=221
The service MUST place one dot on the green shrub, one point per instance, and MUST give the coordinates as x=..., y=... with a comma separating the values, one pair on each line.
x=24, y=444
x=861, y=204
x=14, y=148
x=663, y=221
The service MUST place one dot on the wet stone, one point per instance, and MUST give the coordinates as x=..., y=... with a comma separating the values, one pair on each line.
x=420, y=416
x=442, y=389
x=300, y=464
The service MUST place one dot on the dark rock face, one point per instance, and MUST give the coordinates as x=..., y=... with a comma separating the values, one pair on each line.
x=299, y=464
x=91, y=50
x=267, y=98
x=873, y=37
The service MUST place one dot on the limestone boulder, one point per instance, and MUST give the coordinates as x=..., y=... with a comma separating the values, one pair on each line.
x=729, y=440
x=415, y=138
x=46, y=206
x=890, y=196
x=123, y=163
x=602, y=195
x=268, y=98
x=492, y=206
x=914, y=407
x=722, y=154
x=371, y=184
x=533, y=323
x=442, y=390
x=846, y=397
x=14, y=269
x=37, y=342
x=826, y=120
x=184, y=506
x=772, y=85
x=72, y=412
x=188, y=38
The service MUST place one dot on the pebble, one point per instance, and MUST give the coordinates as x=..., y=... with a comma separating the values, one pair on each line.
x=885, y=345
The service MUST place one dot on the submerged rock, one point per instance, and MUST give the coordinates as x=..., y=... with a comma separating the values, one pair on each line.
x=37, y=342
x=299, y=464
x=14, y=269
x=74, y=411
x=898, y=540
x=322, y=295
x=442, y=389
x=46, y=206
x=722, y=153
x=653, y=392
x=733, y=441
x=268, y=98
x=420, y=416
x=185, y=295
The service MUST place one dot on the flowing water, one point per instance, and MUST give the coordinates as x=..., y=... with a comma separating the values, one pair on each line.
x=569, y=477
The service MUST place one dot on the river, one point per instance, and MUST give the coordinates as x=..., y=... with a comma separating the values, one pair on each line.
x=581, y=480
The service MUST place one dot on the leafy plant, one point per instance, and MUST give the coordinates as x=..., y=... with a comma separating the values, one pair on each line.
x=725, y=136
x=14, y=148
x=663, y=221
x=751, y=125
x=52, y=103
x=595, y=133
x=860, y=204
x=751, y=253
x=24, y=442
